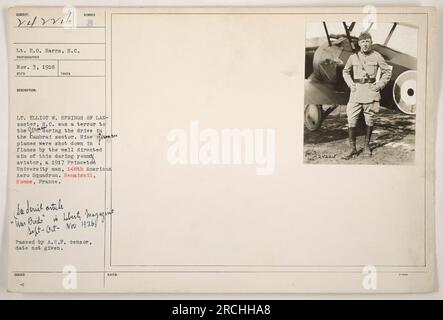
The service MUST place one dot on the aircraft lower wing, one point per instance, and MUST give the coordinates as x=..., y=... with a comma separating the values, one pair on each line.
x=323, y=93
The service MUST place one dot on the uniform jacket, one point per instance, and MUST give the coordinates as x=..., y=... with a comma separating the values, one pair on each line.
x=367, y=92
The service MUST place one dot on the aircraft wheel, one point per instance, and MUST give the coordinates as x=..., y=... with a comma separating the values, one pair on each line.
x=313, y=116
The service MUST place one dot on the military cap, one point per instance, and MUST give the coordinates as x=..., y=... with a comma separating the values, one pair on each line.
x=364, y=36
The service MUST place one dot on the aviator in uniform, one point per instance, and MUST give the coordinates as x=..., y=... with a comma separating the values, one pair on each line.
x=365, y=90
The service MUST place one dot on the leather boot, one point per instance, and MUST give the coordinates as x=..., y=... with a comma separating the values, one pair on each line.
x=367, y=149
x=352, y=144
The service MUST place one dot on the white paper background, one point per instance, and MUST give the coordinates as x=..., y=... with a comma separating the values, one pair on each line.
x=4, y=133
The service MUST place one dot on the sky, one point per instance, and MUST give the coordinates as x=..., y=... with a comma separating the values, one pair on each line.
x=404, y=38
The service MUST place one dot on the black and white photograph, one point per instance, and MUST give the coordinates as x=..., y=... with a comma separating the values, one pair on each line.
x=360, y=93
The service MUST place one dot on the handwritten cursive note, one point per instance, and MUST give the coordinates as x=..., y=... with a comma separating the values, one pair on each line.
x=39, y=218
x=38, y=21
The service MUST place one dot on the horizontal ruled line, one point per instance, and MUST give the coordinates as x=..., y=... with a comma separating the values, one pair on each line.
x=216, y=271
x=58, y=43
x=61, y=27
x=59, y=76
x=38, y=59
x=259, y=13
x=263, y=266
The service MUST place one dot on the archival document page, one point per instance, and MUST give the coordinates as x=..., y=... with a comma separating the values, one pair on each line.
x=259, y=149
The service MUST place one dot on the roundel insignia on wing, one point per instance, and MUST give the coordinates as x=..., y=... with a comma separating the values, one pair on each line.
x=405, y=91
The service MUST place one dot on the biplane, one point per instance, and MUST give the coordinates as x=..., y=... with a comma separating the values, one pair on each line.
x=325, y=88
